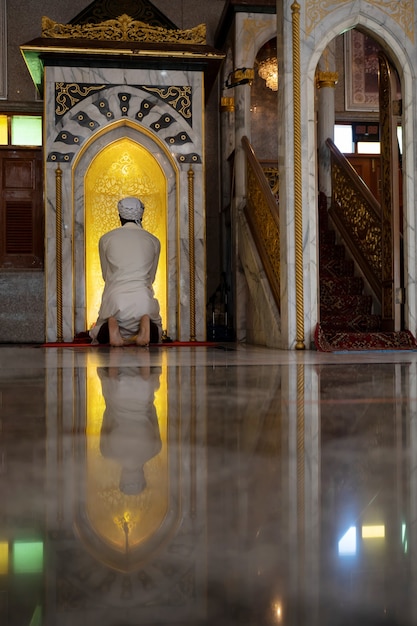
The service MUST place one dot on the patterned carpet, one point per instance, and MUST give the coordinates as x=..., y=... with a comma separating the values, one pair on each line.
x=347, y=342
x=346, y=319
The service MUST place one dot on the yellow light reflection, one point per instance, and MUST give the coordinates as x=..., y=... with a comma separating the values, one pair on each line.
x=124, y=521
x=4, y=557
x=123, y=168
x=373, y=532
x=277, y=611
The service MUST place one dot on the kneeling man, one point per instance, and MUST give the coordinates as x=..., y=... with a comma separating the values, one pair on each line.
x=129, y=256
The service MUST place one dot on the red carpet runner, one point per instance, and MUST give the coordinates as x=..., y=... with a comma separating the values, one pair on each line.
x=343, y=342
x=347, y=322
x=83, y=339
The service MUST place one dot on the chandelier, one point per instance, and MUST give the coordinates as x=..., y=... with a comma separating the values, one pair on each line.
x=267, y=64
x=268, y=70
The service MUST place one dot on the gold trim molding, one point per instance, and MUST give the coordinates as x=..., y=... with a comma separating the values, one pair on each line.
x=326, y=79
x=227, y=105
x=58, y=255
x=124, y=28
x=298, y=193
x=401, y=12
x=191, y=244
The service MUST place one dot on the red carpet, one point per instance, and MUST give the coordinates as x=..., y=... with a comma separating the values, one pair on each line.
x=83, y=340
x=85, y=344
x=356, y=342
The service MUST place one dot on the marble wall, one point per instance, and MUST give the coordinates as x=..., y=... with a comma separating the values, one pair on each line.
x=250, y=32
x=22, y=310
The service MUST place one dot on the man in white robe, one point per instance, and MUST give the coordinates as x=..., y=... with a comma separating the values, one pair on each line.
x=129, y=256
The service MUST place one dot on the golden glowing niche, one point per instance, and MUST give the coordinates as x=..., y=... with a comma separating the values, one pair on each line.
x=121, y=521
x=123, y=168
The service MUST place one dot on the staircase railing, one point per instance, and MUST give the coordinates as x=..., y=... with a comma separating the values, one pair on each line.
x=262, y=215
x=358, y=217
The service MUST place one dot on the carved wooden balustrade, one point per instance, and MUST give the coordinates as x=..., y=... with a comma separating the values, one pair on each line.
x=358, y=217
x=262, y=215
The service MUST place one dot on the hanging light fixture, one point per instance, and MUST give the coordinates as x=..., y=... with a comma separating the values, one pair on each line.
x=268, y=70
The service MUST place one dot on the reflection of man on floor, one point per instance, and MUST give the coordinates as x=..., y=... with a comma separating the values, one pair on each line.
x=130, y=431
x=129, y=256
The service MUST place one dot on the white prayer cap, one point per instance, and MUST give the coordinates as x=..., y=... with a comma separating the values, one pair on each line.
x=131, y=209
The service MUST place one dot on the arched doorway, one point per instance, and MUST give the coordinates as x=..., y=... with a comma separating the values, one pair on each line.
x=362, y=271
x=123, y=161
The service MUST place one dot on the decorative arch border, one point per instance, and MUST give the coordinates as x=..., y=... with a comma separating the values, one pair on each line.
x=401, y=12
x=255, y=32
x=119, y=129
x=166, y=112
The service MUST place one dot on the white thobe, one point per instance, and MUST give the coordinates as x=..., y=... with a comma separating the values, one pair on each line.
x=129, y=258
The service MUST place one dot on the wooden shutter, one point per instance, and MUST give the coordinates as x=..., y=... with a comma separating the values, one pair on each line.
x=21, y=209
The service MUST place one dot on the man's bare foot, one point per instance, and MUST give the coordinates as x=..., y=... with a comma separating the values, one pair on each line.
x=114, y=333
x=144, y=334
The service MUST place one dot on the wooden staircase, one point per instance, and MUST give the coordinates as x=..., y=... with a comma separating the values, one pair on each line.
x=348, y=321
x=343, y=304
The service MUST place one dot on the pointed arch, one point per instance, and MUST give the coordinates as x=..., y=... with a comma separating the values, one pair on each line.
x=143, y=141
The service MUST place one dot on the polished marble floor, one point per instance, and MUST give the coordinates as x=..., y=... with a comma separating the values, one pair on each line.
x=207, y=486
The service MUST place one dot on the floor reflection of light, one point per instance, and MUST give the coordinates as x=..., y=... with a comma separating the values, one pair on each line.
x=347, y=544
x=373, y=532
x=404, y=539
x=124, y=521
x=37, y=617
x=277, y=611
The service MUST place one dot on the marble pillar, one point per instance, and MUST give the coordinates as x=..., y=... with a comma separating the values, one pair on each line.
x=252, y=31
x=326, y=83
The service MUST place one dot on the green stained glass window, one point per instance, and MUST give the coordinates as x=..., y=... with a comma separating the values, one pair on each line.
x=26, y=130
x=28, y=557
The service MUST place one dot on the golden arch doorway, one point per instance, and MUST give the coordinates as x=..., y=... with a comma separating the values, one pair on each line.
x=123, y=168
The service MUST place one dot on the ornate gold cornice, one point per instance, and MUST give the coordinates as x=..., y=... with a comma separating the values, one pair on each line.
x=124, y=28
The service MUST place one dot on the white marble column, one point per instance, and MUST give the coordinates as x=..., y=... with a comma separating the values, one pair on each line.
x=252, y=30
x=326, y=80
